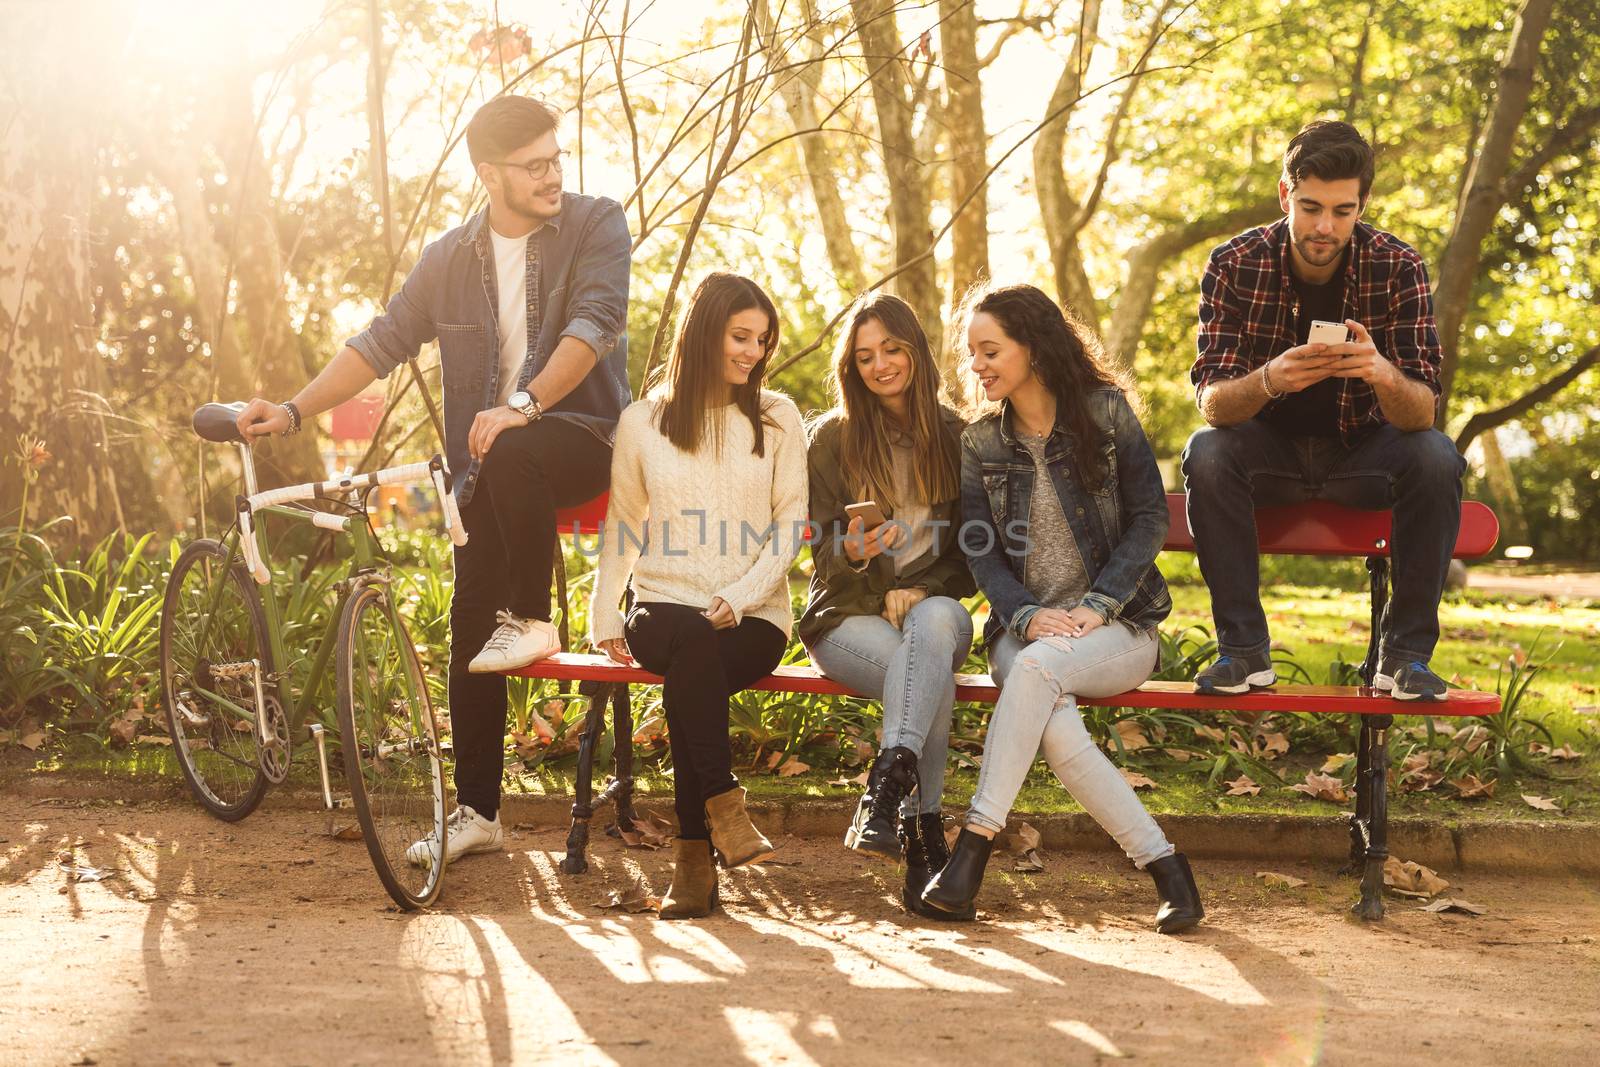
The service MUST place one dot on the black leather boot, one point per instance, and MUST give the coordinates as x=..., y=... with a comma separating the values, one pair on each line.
x=1180, y=898
x=954, y=888
x=926, y=855
x=893, y=777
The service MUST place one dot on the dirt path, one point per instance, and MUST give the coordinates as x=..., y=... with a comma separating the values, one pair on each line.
x=266, y=943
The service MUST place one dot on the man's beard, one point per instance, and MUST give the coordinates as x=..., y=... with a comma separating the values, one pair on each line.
x=530, y=207
x=1319, y=255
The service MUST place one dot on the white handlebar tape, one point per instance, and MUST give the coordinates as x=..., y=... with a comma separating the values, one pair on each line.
x=452, y=513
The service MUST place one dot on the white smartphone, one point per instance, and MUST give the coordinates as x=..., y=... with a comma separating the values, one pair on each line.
x=868, y=512
x=1328, y=333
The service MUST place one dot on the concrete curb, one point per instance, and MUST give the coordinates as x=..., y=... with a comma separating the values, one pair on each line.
x=1541, y=847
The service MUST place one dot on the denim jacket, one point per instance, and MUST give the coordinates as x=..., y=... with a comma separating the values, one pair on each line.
x=1118, y=528
x=577, y=283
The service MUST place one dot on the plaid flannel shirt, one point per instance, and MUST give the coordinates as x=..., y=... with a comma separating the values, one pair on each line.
x=1248, y=311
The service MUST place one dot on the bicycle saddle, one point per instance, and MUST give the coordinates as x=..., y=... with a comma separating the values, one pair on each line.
x=217, y=422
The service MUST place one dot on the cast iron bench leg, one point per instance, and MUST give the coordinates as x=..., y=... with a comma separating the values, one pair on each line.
x=1362, y=819
x=622, y=734
x=598, y=694
x=1374, y=782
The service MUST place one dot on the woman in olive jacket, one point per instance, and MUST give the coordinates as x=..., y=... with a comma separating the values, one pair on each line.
x=884, y=616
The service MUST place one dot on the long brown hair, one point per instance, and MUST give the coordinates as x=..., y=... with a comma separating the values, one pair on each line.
x=1067, y=358
x=691, y=380
x=865, y=457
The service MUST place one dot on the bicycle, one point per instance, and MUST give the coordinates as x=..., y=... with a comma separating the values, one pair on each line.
x=230, y=704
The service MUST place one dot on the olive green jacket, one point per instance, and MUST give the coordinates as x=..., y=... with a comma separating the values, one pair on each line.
x=839, y=589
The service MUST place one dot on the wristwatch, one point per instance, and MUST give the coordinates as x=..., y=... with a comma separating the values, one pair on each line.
x=525, y=404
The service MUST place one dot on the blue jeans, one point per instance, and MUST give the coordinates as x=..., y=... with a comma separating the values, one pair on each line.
x=1230, y=471
x=911, y=670
x=1040, y=683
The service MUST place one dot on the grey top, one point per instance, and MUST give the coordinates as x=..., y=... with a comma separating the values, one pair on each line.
x=1052, y=570
x=920, y=534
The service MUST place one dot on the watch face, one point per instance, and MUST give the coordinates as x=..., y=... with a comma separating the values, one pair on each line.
x=519, y=399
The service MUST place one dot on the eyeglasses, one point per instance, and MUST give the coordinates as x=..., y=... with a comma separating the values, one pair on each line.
x=537, y=168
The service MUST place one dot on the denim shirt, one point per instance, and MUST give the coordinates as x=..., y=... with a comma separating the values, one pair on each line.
x=577, y=286
x=1118, y=528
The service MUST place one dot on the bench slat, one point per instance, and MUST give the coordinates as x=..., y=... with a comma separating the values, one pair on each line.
x=979, y=688
x=1315, y=528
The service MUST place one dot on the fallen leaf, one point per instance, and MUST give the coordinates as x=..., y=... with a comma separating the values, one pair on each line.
x=125, y=729
x=1272, y=745
x=645, y=833
x=792, y=767
x=1242, y=786
x=1132, y=736
x=348, y=833
x=1030, y=862
x=634, y=899
x=1210, y=733
x=1322, y=787
x=1135, y=779
x=162, y=739
x=1452, y=904
x=32, y=740
x=858, y=780
x=1336, y=762
x=1468, y=787
x=1472, y=738
x=774, y=759
x=1542, y=803
x=1026, y=838
x=1274, y=880
x=1565, y=752
x=83, y=872
x=1411, y=879
x=1182, y=755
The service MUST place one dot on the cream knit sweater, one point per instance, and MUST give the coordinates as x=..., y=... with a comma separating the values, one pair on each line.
x=689, y=527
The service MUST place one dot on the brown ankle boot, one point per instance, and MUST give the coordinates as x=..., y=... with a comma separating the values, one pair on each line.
x=736, y=838
x=693, y=892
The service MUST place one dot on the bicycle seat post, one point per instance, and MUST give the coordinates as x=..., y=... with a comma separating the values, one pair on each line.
x=248, y=462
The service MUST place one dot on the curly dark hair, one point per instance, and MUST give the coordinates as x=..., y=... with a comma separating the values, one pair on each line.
x=1330, y=150
x=1067, y=358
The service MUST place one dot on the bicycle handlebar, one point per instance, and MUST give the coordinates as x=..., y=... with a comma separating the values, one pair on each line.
x=409, y=474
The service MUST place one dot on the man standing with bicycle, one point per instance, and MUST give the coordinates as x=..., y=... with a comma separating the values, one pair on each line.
x=528, y=301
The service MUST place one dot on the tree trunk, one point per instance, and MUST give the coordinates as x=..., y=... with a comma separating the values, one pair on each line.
x=1485, y=194
x=821, y=162
x=1146, y=262
x=47, y=354
x=968, y=143
x=1503, y=489
x=910, y=201
x=1058, y=207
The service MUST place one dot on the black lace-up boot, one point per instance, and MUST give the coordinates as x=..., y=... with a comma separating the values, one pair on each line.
x=893, y=777
x=926, y=855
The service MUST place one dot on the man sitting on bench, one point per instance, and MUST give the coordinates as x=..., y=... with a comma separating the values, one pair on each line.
x=1294, y=417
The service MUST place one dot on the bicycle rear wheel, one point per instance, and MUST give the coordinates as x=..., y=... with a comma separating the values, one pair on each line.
x=391, y=747
x=212, y=627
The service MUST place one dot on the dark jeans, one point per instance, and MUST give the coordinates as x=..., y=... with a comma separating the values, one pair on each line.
x=1230, y=471
x=507, y=563
x=702, y=668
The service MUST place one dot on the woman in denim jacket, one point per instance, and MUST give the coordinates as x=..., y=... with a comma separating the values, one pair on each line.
x=1063, y=513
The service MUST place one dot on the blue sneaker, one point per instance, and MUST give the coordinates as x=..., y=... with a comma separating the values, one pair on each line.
x=1235, y=674
x=1408, y=681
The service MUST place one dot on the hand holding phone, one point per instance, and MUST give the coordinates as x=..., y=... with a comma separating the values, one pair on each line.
x=1328, y=333
x=868, y=512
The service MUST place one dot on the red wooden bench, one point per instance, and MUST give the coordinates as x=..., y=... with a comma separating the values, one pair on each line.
x=1314, y=529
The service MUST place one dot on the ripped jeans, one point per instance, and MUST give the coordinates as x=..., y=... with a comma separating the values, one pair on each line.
x=1038, y=706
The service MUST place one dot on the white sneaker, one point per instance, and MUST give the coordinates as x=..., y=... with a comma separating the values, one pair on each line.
x=516, y=643
x=466, y=832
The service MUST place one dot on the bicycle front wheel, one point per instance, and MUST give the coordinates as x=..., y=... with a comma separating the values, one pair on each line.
x=391, y=748
x=212, y=633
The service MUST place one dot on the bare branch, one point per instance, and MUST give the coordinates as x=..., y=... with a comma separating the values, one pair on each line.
x=1484, y=421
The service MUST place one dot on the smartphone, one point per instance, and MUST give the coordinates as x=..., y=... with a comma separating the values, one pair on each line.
x=868, y=512
x=1328, y=333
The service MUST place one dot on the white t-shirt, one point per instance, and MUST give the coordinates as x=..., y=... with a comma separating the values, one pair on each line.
x=510, y=273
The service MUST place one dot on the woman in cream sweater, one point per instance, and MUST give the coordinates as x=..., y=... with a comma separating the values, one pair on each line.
x=707, y=513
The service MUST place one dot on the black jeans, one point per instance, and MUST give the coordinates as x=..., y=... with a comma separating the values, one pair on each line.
x=702, y=668
x=1230, y=471
x=507, y=563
